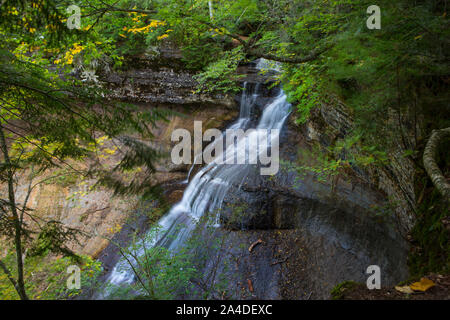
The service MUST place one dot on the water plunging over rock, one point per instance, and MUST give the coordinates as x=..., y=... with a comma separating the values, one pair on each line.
x=207, y=189
x=311, y=236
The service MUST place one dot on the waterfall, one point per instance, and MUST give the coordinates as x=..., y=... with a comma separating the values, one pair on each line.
x=207, y=189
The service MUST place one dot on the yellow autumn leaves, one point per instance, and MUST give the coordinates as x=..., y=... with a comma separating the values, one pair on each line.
x=25, y=148
x=13, y=11
x=423, y=285
x=68, y=57
x=147, y=28
x=114, y=229
x=218, y=31
x=162, y=36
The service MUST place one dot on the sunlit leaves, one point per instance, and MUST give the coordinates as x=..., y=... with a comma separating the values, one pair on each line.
x=220, y=75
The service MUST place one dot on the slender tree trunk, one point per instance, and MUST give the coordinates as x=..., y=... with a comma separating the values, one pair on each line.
x=211, y=16
x=9, y=275
x=20, y=287
x=429, y=161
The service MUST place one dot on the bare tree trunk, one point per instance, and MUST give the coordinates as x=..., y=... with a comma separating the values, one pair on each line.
x=20, y=287
x=8, y=274
x=210, y=10
x=429, y=161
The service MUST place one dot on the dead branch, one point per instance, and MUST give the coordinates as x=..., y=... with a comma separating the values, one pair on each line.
x=429, y=161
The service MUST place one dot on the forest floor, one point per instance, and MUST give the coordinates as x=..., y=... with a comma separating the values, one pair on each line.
x=358, y=291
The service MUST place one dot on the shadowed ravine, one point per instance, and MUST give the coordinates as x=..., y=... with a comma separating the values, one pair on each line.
x=310, y=239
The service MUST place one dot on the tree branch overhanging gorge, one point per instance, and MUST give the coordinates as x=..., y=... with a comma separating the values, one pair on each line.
x=429, y=161
x=246, y=44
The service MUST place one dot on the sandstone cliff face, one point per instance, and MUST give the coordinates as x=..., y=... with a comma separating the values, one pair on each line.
x=96, y=213
x=161, y=79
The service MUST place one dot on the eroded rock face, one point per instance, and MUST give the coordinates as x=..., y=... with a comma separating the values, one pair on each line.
x=310, y=234
x=160, y=78
x=309, y=243
x=95, y=213
x=330, y=121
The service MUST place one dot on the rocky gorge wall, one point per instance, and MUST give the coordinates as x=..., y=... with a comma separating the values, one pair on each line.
x=396, y=178
x=292, y=236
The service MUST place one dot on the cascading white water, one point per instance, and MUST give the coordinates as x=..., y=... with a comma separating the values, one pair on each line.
x=207, y=189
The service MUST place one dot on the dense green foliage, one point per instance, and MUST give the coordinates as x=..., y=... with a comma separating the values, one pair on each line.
x=393, y=82
x=397, y=71
x=160, y=274
x=46, y=277
x=49, y=119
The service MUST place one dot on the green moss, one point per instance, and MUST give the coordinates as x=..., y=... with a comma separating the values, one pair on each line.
x=63, y=177
x=46, y=277
x=338, y=291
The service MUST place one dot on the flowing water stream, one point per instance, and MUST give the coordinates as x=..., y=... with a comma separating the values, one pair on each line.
x=208, y=187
